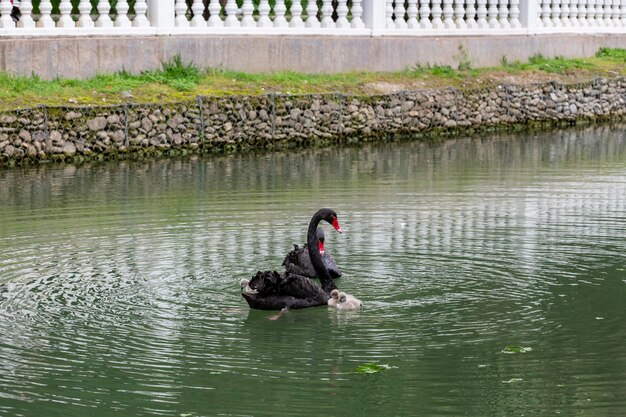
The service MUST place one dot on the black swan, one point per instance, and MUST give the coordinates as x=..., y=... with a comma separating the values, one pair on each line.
x=298, y=260
x=276, y=291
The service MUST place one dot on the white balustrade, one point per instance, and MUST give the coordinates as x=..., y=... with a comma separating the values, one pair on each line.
x=231, y=14
x=342, y=14
x=424, y=15
x=545, y=13
x=26, y=21
x=65, y=20
x=344, y=17
x=311, y=13
x=492, y=14
x=141, y=20
x=389, y=14
x=197, y=8
x=481, y=14
x=296, y=14
x=104, y=20
x=214, y=14
x=122, y=20
x=5, y=19
x=503, y=14
x=514, y=13
x=45, y=19
x=448, y=12
x=470, y=14
x=279, y=10
x=327, y=11
x=398, y=12
x=357, y=14
x=573, y=13
x=264, y=14
x=599, y=13
x=459, y=14
x=437, y=12
x=411, y=12
x=181, y=13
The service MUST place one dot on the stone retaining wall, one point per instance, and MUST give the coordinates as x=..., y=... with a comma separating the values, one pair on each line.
x=227, y=124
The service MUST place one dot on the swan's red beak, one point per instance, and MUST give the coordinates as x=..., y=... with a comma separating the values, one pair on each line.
x=336, y=225
x=320, y=246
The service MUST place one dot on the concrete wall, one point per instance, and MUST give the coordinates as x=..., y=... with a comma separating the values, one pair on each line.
x=81, y=57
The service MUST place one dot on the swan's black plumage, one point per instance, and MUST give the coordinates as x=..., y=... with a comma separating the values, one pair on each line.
x=276, y=291
x=298, y=260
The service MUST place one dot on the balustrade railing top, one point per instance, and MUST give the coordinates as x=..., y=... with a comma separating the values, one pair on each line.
x=330, y=17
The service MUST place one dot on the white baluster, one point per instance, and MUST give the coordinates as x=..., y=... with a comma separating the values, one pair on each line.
x=357, y=14
x=45, y=18
x=389, y=23
x=279, y=14
x=104, y=20
x=615, y=13
x=470, y=14
x=264, y=14
x=573, y=13
x=545, y=13
x=459, y=14
x=556, y=13
x=26, y=21
x=121, y=10
x=231, y=13
x=311, y=15
x=65, y=20
x=437, y=12
x=399, y=11
x=140, y=20
x=180, y=9
x=582, y=13
x=565, y=11
x=448, y=12
x=247, y=9
x=327, y=14
x=492, y=13
x=591, y=12
x=599, y=13
x=411, y=13
x=296, y=15
x=214, y=14
x=481, y=14
x=503, y=14
x=5, y=9
x=623, y=12
x=424, y=10
x=608, y=13
x=197, y=8
x=342, y=14
x=514, y=12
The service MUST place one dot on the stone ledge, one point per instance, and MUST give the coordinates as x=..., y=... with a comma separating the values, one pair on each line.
x=230, y=124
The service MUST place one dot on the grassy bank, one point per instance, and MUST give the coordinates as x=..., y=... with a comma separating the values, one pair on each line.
x=178, y=81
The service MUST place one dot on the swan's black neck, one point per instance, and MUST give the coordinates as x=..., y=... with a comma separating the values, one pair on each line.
x=316, y=258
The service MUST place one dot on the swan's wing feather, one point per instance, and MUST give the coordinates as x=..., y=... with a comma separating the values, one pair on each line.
x=331, y=265
x=298, y=262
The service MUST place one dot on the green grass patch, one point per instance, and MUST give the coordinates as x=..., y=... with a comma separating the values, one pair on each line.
x=177, y=80
x=614, y=54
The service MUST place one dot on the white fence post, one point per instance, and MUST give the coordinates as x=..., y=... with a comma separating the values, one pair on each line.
x=528, y=16
x=374, y=15
x=161, y=13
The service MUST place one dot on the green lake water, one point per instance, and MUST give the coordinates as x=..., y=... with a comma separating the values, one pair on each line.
x=492, y=272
